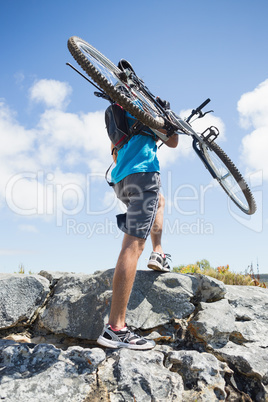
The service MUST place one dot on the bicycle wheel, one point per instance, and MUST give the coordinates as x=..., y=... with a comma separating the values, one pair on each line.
x=106, y=75
x=228, y=177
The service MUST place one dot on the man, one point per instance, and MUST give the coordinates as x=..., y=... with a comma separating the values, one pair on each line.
x=136, y=182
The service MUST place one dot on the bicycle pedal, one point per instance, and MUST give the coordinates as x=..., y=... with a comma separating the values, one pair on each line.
x=212, y=134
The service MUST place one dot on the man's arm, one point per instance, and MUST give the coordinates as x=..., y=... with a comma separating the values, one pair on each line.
x=173, y=140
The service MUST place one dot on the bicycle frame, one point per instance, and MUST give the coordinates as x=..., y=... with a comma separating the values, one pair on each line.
x=186, y=129
x=181, y=126
x=151, y=111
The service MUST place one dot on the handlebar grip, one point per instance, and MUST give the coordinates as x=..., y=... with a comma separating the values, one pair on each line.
x=202, y=105
x=198, y=110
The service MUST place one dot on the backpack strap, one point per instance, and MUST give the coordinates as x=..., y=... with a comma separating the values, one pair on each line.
x=116, y=125
x=139, y=128
x=106, y=175
x=119, y=132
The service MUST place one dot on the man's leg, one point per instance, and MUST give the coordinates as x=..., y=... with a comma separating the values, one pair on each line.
x=158, y=260
x=116, y=334
x=156, y=232
x=123, y=280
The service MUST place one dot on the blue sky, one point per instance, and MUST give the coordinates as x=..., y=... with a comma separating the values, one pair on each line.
x=56, y=210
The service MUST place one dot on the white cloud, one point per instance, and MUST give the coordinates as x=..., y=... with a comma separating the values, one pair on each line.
x=253, y=107
x=70, y=139
x=52, y=93
x=68, y=130
x=13, y=137
x=168, y=155
x=254, y=150
x=44, y=168
x=253, y=110
x=184, y=149
x=17, y=144
x=46, y=195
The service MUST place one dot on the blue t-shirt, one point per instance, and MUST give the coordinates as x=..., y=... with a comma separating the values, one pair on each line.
x=136, y=156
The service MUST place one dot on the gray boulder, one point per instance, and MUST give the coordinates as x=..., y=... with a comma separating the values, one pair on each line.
x=203, y=375
x=20, y=297
x=44, y=373
x=212, y=339
x=214, y=323
x=80, y=304
x=208, y=289
x=139, y=376
x=251, y=365
x=54, y=276
x=247, y=349
x=250, y=308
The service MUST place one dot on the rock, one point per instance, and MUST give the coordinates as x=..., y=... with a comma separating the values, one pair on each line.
x=212, y=339
x=22, y=338
x=214, y=323
x=209, y=289
x=158, y=299
x=248, y=302
x=80, y=305
x=247, y=350
x=250, y=307
x=44, y=373
x=202, y=373
x=53, y=276
x=251, y=365
x=139, y=376
x=20, y=297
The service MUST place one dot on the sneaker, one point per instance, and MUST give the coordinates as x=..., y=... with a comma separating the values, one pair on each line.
x=123, y=338
x=158, y=262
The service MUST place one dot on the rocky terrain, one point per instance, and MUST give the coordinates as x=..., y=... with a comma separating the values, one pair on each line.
x=212, y=342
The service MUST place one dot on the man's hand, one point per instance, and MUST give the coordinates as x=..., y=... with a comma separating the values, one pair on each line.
x=173, y=141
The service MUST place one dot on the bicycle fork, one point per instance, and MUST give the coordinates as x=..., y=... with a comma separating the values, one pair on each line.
x=209, y=135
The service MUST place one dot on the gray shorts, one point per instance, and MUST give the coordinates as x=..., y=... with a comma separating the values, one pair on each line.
x=140, y=193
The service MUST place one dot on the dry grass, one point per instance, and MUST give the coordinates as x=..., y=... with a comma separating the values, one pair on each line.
x=221, y=273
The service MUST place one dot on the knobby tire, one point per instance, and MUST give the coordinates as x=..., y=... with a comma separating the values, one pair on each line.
x=148, y=119
x=237, y=176
x=106, y=86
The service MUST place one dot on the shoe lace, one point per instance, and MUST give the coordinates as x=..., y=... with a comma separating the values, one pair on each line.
x=130, y=335
x=167, y=256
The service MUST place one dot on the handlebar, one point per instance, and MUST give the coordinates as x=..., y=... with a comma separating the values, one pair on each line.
x=198, y=110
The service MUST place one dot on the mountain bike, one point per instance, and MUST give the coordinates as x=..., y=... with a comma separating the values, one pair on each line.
x=138, y=100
